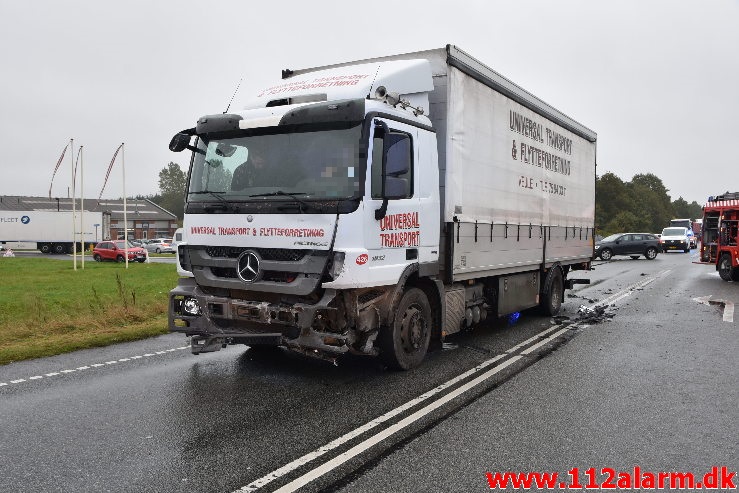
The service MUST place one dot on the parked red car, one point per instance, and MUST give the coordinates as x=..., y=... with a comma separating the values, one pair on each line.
x=114, y=250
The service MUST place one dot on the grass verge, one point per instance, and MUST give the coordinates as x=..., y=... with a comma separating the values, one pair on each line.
x=48, y=308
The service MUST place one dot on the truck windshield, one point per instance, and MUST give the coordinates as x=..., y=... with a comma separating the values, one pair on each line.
x=313, y=164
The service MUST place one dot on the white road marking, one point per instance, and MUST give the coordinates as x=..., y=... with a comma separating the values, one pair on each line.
x=287, y=468
x=374, y=440
x=87, y=367
x=301, y=461
x=727, y=305
x=629, y=289
x=728, y=311
x=545, y=341
x=532, y=339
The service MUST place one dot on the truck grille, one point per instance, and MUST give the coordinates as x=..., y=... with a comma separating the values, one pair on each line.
x=275, y=254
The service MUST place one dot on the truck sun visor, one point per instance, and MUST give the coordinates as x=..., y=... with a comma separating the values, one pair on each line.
x=347, y=110
x=218, y=123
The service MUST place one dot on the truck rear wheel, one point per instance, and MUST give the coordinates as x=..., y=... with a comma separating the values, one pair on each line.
x=45, y=248
x=553, y=293
x=59, y=248
x=405, y=342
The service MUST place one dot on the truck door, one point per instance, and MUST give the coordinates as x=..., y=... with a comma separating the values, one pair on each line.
x=398, y=223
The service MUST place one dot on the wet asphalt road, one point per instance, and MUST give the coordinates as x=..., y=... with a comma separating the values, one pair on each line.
x=657, y=386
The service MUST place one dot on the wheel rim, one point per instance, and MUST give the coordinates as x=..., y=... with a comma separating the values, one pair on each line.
x=606, y=255
x=412, y=329
x=651, y=253
x=725, y=265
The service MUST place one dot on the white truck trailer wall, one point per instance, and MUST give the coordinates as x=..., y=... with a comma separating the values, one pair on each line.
x=519, y=189
x=45, y=226
x=507, y=164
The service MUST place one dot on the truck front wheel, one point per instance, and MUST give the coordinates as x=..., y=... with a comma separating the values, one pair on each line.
x=725, y=270
x=404, y=344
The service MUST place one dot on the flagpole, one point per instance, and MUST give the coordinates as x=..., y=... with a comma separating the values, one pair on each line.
x=74, y=208
x=82, y=206
x=125, y=212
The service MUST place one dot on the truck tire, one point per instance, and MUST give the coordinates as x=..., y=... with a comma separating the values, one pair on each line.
x=45, y=248
x=404, y=343
x=59, y=248
x=552, y=293
x=606, y=254
x=725, y=270
x=651, y=253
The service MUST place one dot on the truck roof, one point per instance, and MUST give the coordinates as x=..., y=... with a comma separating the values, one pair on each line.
x=442, y=58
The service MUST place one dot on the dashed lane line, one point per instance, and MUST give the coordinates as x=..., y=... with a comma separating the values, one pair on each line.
x=89, y=366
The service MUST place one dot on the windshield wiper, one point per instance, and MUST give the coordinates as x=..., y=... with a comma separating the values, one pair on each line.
x=228, y=205
x=292, y=195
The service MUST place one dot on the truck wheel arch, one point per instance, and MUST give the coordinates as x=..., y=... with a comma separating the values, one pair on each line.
x=434, y=291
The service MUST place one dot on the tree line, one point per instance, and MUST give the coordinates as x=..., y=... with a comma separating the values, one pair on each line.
x=640, y=205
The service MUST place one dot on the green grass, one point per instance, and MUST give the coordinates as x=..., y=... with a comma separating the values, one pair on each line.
x=47, y=308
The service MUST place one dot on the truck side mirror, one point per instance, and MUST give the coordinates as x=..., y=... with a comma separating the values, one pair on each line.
x=179, y=142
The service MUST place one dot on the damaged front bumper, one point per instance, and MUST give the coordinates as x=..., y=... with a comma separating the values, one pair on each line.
x=214, y=321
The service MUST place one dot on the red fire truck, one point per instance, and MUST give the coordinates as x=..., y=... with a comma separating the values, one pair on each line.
x=720, y=240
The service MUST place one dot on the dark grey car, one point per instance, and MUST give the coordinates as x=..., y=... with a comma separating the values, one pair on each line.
x=631, y=244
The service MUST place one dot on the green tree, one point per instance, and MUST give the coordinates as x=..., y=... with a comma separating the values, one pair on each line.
x=682, y=209
x=172, y=183
x=623, y=222
x=651, y=201
x=611, y=198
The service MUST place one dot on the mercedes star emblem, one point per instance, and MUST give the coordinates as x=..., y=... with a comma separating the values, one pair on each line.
x=247, y=267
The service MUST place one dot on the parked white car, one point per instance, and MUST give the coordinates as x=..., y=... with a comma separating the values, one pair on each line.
x=160, y=245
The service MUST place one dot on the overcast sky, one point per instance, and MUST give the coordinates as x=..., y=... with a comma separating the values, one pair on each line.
x=657, y=80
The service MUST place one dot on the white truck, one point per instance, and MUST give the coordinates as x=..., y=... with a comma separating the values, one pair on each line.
x=47, y=231
x=373, y=206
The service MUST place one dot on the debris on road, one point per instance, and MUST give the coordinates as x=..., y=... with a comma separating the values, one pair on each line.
x=594, y=315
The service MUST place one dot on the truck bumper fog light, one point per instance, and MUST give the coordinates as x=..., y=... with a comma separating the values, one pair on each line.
x=191, y=306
